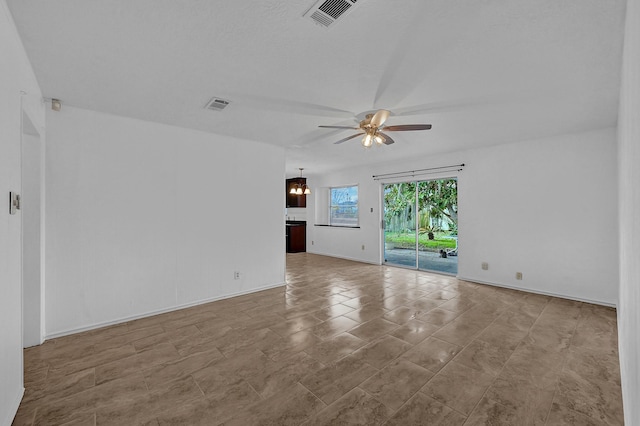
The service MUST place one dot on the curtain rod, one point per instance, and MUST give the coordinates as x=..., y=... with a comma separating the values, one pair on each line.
x=417, y=174
x=430, y=170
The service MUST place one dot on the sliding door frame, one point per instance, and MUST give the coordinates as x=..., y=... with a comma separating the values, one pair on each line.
x=416, y=206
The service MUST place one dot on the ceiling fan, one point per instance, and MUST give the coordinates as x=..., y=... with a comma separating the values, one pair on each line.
x=371, y=128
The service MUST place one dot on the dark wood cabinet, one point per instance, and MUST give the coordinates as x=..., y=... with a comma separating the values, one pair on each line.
x=296, y=237
x=294, y=200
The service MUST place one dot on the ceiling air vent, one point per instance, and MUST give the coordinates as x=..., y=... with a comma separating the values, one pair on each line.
x=217, y=104
x=326, y=12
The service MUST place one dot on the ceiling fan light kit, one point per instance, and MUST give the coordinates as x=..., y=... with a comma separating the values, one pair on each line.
x=367, y=140
x=372, y=126
x=373, y=137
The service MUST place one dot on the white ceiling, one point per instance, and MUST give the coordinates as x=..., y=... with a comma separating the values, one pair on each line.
x=481, y=72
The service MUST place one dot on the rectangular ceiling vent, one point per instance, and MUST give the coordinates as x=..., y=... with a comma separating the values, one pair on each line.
x=217, y=104
x=326, y=12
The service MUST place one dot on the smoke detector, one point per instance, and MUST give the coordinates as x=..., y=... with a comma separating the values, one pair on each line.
x=217, y=104
x=326, y=12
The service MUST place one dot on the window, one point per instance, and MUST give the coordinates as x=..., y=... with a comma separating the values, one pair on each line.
x=344, y=206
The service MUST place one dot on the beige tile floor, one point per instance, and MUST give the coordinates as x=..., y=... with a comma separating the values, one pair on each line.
x=342, y=343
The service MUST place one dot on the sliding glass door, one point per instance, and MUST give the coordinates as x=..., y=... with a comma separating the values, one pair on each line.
x=399, y=224
x=438, y=225
x=421, y=225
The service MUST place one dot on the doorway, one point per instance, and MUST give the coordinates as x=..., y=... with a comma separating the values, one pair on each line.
x=32, y=227
x=421, y=225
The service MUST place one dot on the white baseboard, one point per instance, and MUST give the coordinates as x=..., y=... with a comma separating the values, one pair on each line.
x=158, y=312
x=544, y=293
x=344, y=257
x=13, y=408
x=474, y=280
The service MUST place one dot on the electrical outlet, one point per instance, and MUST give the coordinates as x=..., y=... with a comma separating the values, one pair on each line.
x=236, y=275
x=485, y=266
x=518, y=275
x=363, y=247
x=312, y=242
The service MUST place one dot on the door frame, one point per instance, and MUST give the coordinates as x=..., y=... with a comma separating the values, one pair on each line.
x=416, y=180
x=33, y=299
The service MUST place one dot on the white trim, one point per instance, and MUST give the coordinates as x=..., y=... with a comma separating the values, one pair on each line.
x=43, y=234
x=42, y=183
x=331, y=188
x=353, y=259
x=159, y=311
x=474, y=280
x=13, y=408
x=544, y=293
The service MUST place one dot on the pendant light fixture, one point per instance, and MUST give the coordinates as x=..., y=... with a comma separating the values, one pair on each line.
x=300, y=188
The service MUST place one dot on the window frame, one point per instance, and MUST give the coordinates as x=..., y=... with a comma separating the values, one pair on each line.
x=357, y=207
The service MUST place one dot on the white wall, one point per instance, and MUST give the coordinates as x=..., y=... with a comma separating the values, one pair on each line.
x=546, y=208
x=346, y=242
x=16, y=75
x=144, y=217
x=629, y=190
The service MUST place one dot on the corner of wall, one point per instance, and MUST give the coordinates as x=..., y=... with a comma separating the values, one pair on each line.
x=629, y=217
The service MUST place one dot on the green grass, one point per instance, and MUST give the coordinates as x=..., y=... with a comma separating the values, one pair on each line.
x=405, y=240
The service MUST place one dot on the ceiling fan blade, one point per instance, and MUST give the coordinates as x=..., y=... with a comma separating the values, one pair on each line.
x=348, y=137
x=387, y=139
x=340, y=127
x=405, y=127
x=379, y=118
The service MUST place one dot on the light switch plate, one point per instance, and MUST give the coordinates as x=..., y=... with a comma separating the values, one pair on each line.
x=14, y=202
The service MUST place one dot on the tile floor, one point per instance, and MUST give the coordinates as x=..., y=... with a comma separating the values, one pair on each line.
x=343, y=343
